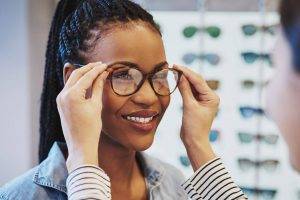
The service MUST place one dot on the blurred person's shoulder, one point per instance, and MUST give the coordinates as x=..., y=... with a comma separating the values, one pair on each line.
x=45, y=181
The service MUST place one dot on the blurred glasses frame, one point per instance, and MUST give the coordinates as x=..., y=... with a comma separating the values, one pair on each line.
x=211, y=58
x=251, y=29
x=249, y=84
x=268, y=164
x=148, y=76
x=266, y=194
x=250, y=57
x=214, y=135
x=213, y=31
x=247, y=138
x=248, y=111
x=184, y=160
x=213, y=84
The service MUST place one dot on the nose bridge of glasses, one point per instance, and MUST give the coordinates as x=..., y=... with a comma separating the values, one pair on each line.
x=145, y=94
x=146, y=82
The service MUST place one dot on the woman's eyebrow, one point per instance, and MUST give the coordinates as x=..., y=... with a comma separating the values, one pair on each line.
x=134, y=65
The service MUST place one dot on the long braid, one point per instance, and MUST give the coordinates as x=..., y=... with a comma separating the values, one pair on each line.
x=50, y=127
x=69, y=40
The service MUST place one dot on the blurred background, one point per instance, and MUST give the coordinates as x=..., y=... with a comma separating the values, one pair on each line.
x=229, y=42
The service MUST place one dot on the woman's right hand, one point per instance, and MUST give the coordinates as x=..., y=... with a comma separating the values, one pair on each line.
x=80, y=114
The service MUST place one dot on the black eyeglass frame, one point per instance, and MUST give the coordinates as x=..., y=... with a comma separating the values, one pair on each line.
x=148, y=76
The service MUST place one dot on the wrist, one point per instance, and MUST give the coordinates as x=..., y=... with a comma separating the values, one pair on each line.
x=199, y=153
x=81, y=156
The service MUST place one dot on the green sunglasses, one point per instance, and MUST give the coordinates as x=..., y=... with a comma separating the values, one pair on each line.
x=247, y=138
x=212, y=31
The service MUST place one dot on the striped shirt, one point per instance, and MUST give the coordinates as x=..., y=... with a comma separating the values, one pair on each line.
x=210, y=182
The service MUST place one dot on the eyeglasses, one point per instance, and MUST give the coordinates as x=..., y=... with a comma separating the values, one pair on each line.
x=211, y=58
x=212, y=31
x=184, y=160
x=249, y=84
x=214, y=135
x=269, y=165
x=126, y=81
x=251, y=57
x=248, y=138
x=251, y=29
x=248, y=112
x=213, y=84
x=267, y=194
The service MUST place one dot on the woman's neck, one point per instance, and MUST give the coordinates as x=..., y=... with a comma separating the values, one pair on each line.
x=118, y=162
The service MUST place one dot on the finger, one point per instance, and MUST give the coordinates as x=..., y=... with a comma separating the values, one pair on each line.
x=195, y=79
x=78, y=73
x=97, y=88
x=185, y=90
x=88, y=78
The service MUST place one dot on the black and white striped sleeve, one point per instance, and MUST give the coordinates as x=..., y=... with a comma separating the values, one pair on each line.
x=88, y=182
x=212, y=181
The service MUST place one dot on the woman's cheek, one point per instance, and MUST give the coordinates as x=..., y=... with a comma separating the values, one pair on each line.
x=165, y=101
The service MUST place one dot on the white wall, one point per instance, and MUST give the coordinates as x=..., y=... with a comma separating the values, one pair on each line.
x=24, y=28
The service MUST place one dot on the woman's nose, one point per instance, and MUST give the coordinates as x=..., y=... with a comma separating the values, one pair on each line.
x=145, y=95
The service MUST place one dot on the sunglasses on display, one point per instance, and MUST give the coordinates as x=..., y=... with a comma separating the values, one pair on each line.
x=247, y=138
x=213, y=84
x=251, y=29
x=248, y=112
x=214, y=135
x=185, y=161
x=269, y=165
x=266, y=194
x=251, y=57
x=211, y=58
x=212, y=31
x=249, y=84
x=127, y=80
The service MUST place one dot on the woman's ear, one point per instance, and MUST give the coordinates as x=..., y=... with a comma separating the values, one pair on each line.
x=67, y=71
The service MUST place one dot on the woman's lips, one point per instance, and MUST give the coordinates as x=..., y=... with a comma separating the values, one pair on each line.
x=142, y=121
x=143, y=127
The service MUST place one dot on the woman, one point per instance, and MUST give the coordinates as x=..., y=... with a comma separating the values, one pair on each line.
x=99, y=116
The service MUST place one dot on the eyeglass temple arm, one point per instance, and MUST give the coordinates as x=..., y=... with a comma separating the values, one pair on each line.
x=80, y=65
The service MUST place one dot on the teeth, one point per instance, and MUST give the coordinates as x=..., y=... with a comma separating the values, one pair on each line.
x=139, y=119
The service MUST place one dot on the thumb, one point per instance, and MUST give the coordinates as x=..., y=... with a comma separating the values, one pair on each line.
x=97, y=89
x=185, y=89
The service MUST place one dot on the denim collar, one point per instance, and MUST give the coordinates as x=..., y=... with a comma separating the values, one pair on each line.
x=53, y=173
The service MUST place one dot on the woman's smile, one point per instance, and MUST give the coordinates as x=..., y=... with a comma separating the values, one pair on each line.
x=142, y=120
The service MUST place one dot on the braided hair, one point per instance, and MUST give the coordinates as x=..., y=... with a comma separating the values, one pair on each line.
x=290, y=20
x=75, y=27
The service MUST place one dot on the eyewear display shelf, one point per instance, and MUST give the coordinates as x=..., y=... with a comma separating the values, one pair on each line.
x=232, y=50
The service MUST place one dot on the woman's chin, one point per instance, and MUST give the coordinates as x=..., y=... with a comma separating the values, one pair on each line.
x=131, y=140
x=143, y=143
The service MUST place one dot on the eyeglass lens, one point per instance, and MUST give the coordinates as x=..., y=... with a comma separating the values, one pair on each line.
x=126, y=81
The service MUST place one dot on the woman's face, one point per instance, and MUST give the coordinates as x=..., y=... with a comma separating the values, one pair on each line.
x=144, y=47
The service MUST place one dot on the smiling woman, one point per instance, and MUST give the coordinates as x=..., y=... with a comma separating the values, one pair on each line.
x=99, y=117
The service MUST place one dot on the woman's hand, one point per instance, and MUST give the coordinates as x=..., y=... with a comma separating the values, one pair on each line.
x=200, y=105
x=80, y=113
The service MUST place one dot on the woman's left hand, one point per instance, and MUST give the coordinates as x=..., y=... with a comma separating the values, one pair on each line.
x=200, y=105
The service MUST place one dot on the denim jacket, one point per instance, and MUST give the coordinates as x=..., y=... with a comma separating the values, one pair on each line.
x=48, y=180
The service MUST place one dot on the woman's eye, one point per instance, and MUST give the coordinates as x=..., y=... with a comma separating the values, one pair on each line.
x=122, y=75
